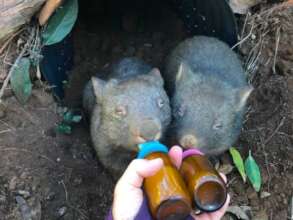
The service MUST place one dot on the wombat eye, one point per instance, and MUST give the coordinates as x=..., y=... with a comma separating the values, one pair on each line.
x=181, y=111
x=160, y=103
x=121, y=111
x=217, y=126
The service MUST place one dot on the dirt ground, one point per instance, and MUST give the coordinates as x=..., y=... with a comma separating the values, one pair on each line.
x=59, y=176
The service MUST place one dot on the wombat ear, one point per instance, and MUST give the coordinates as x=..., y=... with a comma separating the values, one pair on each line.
x=156, y=77
x=184, y=72
x=242, y=96
x=98, y=86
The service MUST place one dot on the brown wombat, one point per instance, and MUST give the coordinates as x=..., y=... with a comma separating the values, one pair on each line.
x=128, y=107
x=208, y=91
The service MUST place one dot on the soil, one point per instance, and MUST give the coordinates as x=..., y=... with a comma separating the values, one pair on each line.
x=59, y=177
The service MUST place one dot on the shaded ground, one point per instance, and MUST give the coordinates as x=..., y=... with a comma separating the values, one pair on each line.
x=55, y=170
x=59, y=175
x=268, y=129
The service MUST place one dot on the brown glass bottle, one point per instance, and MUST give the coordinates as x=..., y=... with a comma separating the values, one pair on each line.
x=167, y=193
x=204, y=183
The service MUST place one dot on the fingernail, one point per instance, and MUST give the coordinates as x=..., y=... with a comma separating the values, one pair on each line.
x=157, y=160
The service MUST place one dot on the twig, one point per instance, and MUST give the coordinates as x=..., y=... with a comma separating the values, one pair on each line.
x=231, y=182
x=5, y=131
x=291, y=209
x=251, y=63
x=278, y=34
x=29, y=116
x=15, y=65
x=266, y=161
x=5, y=56
x=285, y=134
x=29, y=152
x=8, y=125
x=269, y=11
x=65, y=190
x=9, y=40
x=244, y=25
x=78, y=211
x=246, y=37
x=68, y=203
x=275, y=131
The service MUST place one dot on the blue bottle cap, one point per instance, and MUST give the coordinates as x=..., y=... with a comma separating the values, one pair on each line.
x=150, y=147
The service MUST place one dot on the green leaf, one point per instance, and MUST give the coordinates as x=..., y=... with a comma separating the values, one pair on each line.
x=253, y=172
x=61, y=23
x=64, y=128
x=76, y=118
x=238, y=161
x=69, y=117
x=20, y=80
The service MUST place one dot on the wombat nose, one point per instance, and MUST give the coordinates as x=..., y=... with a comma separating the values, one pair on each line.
x=188, y=141
x=150, y=130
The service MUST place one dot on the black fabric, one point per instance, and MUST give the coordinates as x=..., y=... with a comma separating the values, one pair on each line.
x=208, y=17
x=56, y=63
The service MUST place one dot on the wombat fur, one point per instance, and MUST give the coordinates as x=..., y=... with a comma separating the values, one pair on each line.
x=128, y=107
x=208, y=92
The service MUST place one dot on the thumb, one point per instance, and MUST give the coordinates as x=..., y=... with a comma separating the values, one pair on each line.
x=175, y=155
x=128, y=195
x=139, y=169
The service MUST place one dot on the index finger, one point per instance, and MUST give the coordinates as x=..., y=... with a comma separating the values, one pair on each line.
x=175, y=154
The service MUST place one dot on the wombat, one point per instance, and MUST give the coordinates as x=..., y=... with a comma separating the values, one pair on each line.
x=208, y=92
x=128, y=107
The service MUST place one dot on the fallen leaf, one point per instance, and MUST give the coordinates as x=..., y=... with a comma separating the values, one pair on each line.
x=61, y=23
x=253, y=172
x=238, y=161
x=20, y=81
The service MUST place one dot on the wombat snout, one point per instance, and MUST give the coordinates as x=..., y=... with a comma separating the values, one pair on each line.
x=150, y=129
x=188, y=141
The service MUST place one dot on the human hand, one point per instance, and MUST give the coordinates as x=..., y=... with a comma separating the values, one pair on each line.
x=128, y=194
